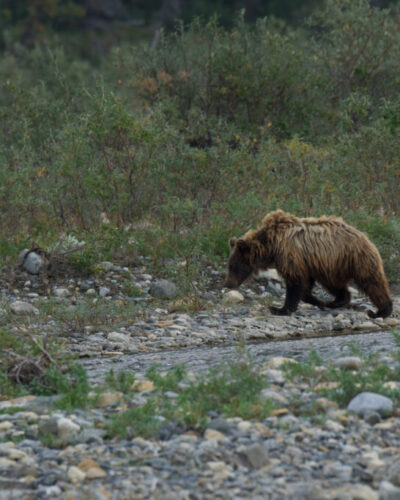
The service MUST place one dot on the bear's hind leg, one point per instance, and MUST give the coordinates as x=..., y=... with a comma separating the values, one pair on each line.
x=342, y=297
x=294, y=293
x=309, y=298
x=380, y=296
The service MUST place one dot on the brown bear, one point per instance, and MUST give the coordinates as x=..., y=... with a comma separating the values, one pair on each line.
x=304, y=251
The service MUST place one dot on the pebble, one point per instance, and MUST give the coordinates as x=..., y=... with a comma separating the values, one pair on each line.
x=233, y=297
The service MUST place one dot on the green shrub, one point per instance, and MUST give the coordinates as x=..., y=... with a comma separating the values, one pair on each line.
x=181, y=145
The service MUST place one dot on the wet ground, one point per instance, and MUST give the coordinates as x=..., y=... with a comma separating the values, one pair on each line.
x=200, y=360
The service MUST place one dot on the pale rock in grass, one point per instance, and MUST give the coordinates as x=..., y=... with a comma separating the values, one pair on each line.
x=5, y=426
x=121, y=338
x=104, y=291
x=213, y=434
x=107, y=399
x=278, y=361
x=21, y=308
x=275, y=397
x=233, y=297
x=106, y=266
x=368, y=401
x=348, y=363
x=61, y=293
x=66, y=427
x=163, y=289
x=32, y=262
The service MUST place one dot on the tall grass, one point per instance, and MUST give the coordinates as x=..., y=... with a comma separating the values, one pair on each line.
x=182, y=145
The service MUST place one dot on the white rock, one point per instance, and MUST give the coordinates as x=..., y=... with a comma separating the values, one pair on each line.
x=66, y=427
x=16, y=454
x=6, y=462
x=331, y=425
x=33, y=263
x=356, y=491
x=118, y=337
x=106, y=266
x=368, y=325
x=348, y=363
x=5, y=426
x=233, y=297
x=61, y=293
x=104, y=291
x=20, y=307
x=75, y=474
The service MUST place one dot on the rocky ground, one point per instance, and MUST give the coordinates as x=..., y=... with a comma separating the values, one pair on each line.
x=342, y=455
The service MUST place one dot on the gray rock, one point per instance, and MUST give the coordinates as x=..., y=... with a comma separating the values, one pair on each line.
x=219, y=424
x=372, y=417
x=388, y=491
x=394, y=473
x=104, y=291
x=337, y=469
x=276, y=397
x=348, y=363
x=275, y=376
x=32, y=262
x=42, y=404
x=368, y=401
x=106, y=266
x=163, y=289
x=91, y=436
x=118, y=337
x=256, y=455
x=49, y=426
x=19, y=307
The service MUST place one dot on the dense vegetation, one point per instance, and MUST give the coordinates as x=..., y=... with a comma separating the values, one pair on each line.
x=170, y=149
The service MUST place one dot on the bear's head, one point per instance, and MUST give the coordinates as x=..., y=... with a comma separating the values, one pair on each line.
x=241, y=262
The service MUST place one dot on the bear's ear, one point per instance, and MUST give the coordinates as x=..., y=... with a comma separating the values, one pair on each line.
x=232, y=242
x=243, y=246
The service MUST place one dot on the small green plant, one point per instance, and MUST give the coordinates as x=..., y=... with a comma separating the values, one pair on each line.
x=168, y=381
x=371, y=377
x=73, y=387
x=232, y=389
x=121, y=382
x=143, y=421
x=307, y=370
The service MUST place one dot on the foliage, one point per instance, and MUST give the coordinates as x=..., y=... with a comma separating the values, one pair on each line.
x=341, y=385
x=232, y=389
x=169, y=150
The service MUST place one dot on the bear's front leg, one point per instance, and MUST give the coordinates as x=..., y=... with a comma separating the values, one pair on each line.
x=294, y=293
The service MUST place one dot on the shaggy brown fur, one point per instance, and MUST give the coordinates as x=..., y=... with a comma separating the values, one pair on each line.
x=303, y=251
